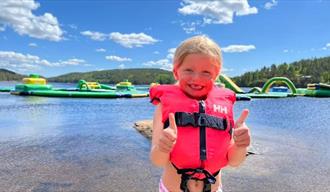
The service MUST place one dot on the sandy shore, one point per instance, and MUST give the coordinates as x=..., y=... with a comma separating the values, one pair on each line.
x=273, y=168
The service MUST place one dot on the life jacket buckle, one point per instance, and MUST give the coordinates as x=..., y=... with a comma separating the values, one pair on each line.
x=211, y=180
x=201, y=120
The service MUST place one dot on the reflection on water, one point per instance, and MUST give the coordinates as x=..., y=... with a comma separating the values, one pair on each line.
x=63, y=144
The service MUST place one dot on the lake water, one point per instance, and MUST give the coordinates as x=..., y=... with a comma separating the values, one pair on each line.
x=64, y=144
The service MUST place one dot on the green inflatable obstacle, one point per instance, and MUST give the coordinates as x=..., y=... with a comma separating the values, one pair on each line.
x=229, y=83
x=264, y=92
x=5, y=89
x=125, y=85
x=270, y=82
x=257, y=92
x=313, y=90
x=36, y=86
x=31, y=83
x=318, y=90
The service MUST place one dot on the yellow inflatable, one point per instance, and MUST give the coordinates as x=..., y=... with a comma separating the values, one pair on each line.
x=93, y=85
x=35, y=80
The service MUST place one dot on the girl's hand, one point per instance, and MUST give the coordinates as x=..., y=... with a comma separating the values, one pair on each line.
x=241, y=135
x=168, y=136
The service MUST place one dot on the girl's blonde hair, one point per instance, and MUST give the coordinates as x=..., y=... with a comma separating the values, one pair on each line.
x=200, y=44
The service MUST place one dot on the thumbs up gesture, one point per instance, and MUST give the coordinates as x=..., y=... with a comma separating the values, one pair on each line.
x=168, y=136
x=241, y=131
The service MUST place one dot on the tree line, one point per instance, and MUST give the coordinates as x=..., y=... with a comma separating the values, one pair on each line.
x=300, y=72
x=6, y=75
x=136, y=76
x=316, y=70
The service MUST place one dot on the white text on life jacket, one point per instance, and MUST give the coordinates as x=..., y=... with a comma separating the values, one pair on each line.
x=220, y=109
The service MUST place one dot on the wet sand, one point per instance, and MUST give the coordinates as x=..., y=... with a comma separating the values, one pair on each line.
x=63, y=165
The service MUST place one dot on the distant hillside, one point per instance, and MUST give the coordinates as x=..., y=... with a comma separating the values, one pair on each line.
x=6, y=75
x=136, y=76
x=300, y=73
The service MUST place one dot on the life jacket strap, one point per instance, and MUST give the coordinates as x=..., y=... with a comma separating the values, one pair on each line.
x=188, y=173
x=184, y=119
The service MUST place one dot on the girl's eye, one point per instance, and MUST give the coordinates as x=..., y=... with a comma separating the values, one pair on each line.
x=188, y=71
x=206, y=74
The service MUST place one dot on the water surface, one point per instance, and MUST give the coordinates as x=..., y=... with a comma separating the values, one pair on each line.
x=64, y=144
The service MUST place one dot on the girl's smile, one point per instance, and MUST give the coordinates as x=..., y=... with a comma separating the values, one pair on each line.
x=196, y=75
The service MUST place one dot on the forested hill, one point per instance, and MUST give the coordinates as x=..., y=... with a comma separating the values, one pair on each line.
x=6, y=75
x=136, y=76
x=300, y=73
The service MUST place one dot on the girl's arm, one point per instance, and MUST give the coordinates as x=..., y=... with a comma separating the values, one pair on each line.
x=236, y=155
x=158, y=157
x=240, y=141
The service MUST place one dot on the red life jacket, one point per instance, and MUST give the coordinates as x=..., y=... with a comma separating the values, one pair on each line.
x=204, y=132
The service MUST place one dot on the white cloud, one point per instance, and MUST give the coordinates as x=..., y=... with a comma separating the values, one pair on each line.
x=126, y=40
x=121, y=66
x=191, y=27
x=8, y=58
x=26, y=62
x=156, y=52
x=162, y=64
x=100, y=50
x=327, y=46
x=132, y=40
x=18, y=15
x=217, y=12
x=286, y=51
x=33, y=45
x=271, y=4
x=165, y=64
x=97, y=36
x=2, y=28
x=73, y=26
x=238, y=48
x=170, y=54
x=117, y=59
x=71, y=62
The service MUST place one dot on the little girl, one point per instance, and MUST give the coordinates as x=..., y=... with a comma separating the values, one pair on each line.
x=194, y=134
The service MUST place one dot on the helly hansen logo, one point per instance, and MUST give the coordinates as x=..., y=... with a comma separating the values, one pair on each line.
x=220, y=109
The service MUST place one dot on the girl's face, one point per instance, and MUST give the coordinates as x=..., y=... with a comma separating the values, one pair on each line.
x=196, y=75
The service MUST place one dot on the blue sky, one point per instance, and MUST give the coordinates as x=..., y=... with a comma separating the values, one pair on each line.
x=56, y=37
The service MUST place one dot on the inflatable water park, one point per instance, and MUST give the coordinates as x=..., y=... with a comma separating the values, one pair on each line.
x=270, y=91
x=34, y=85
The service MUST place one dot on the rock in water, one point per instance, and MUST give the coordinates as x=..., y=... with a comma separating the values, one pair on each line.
x=144, y=127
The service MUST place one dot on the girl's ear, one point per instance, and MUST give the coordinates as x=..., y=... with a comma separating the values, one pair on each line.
x=175, y=73
x=219, y=72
